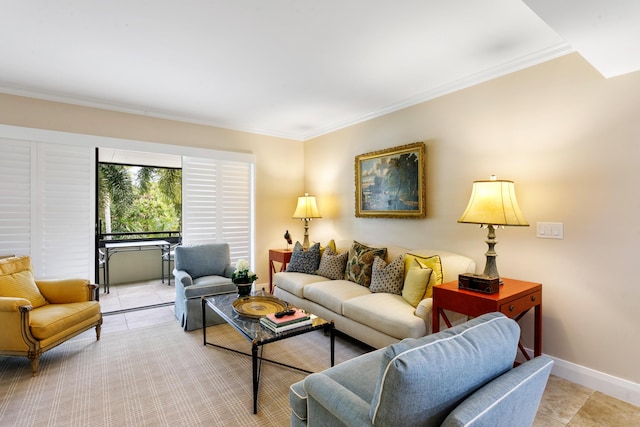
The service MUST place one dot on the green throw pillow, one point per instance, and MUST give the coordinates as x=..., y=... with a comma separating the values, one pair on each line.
x=360, y=263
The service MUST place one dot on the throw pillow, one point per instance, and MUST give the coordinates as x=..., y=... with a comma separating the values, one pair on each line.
x=387, y=278
x=304, y=261
x=332, y=265
x=360, y=262
x=416, y=282
x=16, y=280
x=433, y=262
x=331, y=244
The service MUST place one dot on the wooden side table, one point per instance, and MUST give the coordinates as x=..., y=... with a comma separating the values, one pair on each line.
x=283, y=256
x=514, y=299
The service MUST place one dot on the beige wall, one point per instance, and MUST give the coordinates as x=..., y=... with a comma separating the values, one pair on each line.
x=566, y=136
x=279, y=162
x=570, y=140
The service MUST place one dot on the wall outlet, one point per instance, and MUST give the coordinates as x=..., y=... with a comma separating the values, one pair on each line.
x=550, y=230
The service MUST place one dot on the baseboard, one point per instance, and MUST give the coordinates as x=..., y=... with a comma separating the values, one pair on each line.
x=619, y=388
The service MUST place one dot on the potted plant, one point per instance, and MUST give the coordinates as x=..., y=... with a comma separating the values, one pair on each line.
x=243, y=277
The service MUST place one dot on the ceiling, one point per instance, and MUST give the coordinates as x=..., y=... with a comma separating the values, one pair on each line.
x=293, y=69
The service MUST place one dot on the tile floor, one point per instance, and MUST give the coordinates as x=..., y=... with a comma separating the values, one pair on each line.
x=563, y=403
x=117, y=305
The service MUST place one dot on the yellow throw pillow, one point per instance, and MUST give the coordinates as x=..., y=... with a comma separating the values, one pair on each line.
x=16, y=280
x=416, y=283
x=433, y=262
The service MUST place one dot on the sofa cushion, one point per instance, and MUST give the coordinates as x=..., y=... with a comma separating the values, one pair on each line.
x=304, y=261
x=440, y=370
x=387, y=278
x=360, y=262
x=51, y=319
x=332, y=265
x=209, y=285
x=388, y=313
x=16, y=280
x=294, y=283
x=416, y=283
x=332, y=293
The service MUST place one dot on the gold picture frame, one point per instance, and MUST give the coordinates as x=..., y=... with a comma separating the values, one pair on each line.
x=391, y=183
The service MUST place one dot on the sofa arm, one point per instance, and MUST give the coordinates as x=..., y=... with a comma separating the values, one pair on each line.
x=228, y=270
x=62, y=291
x=424, y=311
x=14, y=314
x=329, y=401
x=509, y=400
x=182, y=277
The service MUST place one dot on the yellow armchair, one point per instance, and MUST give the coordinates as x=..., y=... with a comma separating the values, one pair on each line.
x=37, y=315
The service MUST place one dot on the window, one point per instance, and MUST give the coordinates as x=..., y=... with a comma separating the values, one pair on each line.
x=139, y=201
x=48, y=197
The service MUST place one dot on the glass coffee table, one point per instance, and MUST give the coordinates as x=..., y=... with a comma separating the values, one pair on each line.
x=249, y=326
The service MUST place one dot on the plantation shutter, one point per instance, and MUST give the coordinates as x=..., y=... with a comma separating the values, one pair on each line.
x=63, y=246
x=235, y=208
x=46, y=206
x=199, y=200
x=217, y=203
x=15, y=197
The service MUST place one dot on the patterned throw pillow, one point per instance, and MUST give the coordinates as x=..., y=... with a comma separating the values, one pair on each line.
x=304, y=261
x=360, y=262
x=387, y=278
x=332, y=265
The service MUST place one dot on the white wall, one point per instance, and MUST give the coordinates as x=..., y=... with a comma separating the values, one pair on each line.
x=570, y=141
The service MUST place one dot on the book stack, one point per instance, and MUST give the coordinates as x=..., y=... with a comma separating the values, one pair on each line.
x=298, y=319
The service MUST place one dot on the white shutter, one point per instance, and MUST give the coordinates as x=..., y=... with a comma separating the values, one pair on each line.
x=199, y=200
x=63, y=246
x=235, y=208
x=15, y=197
x=217, y=204
x=47, y=206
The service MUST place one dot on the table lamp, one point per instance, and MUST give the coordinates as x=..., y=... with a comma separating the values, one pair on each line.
x=493, y=203
x=306, y=211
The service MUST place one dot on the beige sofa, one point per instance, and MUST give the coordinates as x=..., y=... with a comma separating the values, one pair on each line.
x=377, y=319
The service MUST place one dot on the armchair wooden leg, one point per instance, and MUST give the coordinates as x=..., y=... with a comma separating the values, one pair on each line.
x=35, y=363
x=98, y=329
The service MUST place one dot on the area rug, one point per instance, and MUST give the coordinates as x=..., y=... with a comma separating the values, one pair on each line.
x=159, y=376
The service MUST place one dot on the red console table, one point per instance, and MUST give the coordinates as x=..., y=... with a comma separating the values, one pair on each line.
x=282, y=256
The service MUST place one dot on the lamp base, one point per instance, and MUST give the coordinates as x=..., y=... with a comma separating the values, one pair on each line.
x=490, y=267
x=305, y=243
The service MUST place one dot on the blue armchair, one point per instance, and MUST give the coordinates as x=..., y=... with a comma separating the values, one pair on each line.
x=200, y=270
x=462, y=376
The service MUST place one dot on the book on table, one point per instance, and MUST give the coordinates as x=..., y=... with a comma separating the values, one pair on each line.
x=285, y=323
x=297, y=316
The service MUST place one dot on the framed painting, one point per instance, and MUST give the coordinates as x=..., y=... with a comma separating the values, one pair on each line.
x=391, y=183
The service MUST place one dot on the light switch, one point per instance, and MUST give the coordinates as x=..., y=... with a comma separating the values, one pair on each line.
x=550, y=230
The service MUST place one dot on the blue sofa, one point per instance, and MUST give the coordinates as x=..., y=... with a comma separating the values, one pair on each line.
x=200, y=270
x=462, y=376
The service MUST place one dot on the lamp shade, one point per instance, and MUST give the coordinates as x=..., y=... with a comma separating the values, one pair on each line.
x=493, y=202
x=307, y=207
